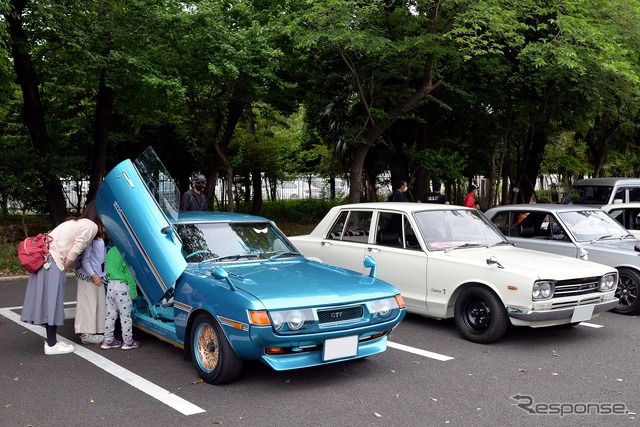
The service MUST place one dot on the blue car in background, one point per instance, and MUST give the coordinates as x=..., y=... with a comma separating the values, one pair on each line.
x=231, y=287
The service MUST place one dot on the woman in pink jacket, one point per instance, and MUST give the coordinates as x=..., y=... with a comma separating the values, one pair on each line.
x=44, y=297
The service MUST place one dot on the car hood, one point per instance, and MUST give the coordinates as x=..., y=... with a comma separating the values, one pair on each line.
x=541, y=265
x=626, y=245
x=309, y=283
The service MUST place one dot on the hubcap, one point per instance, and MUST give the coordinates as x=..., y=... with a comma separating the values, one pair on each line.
x=627, y=291
x=478, y=315
x=207, y=347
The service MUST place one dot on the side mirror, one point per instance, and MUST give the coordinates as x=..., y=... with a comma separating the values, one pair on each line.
x=222, y=274
x=370, y=263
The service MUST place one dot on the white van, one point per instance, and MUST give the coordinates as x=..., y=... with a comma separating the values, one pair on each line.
x=603, y=191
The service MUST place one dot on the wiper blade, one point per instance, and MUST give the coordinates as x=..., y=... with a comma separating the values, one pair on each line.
x=504, y=243
x=466, y=245
x=600, y=238
x=284, y=253
x=224, y=257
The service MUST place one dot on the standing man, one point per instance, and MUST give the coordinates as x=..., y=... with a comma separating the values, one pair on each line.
x=194, y=198
x=470, y=198
x=398, y=194
x=435, y=196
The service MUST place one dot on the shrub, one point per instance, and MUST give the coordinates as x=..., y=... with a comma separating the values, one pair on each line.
x=304, y=211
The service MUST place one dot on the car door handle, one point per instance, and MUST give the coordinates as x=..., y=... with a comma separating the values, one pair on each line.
x=374, y=250
x=326, y=243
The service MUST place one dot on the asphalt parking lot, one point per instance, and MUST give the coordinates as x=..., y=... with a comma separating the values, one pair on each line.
x=586, y=375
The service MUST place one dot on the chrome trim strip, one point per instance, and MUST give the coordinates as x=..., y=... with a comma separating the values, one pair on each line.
x=182, y=306
x=230, y=322
x=144, y=253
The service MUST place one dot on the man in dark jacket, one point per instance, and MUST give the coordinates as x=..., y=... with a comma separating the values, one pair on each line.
x=194, y=198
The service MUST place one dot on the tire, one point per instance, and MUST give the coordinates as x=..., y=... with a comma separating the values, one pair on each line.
x=480, y=315
x=212, y=355
x=628, y=291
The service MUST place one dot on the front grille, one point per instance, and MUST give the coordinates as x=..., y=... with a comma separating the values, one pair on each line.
x=340, y=314
x=575, y=287
x=591, y=300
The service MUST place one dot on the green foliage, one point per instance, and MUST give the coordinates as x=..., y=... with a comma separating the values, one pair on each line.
x=9, y=258
x=303, y=211
x=290, y=88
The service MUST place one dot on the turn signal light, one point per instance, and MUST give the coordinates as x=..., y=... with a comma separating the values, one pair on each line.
x=259, y=318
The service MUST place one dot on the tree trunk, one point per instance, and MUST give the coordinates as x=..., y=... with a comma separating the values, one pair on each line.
x=256, y=179
x=33, y=113
x=355, y=174
x=532, y=162
x=102, y=126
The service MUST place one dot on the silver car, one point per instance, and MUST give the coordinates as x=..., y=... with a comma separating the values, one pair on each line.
x=579, y=231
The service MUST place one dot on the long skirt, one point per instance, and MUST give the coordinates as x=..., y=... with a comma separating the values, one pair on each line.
x=44, y=297
x=90, y=308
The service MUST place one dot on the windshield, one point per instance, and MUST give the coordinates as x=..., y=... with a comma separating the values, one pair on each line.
x=232, y=241
x=160, y=184
x=457, y=228
x=592, y=225
x=590, y=194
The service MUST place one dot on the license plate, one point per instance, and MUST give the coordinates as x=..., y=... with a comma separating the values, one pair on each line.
x=582, y=313
x=338, y=348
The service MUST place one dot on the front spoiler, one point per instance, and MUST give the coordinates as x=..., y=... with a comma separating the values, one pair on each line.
x=557, y=314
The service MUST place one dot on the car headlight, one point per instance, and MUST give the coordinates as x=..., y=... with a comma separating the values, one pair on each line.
x=291, y=320
x=383, y=307
x=295, y=320
x=608, y=282
x=278, y=320
x=542, y=289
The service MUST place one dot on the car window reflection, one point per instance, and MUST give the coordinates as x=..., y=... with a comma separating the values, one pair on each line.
x=205, y=241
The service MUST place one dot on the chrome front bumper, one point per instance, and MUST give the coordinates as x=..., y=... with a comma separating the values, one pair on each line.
x=557, y=314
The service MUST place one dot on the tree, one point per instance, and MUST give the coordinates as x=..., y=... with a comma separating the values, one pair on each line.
x=387, y=54
x=44, y=152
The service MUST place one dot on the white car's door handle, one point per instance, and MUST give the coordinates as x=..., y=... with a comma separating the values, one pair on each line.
x=374, y=249
x=326, y=243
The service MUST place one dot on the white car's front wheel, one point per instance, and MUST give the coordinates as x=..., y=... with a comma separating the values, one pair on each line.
x=480, y=315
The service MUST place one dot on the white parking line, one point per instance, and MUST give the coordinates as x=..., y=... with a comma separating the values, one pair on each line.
x=419, y=352
x=157, y=392
x=591, y=325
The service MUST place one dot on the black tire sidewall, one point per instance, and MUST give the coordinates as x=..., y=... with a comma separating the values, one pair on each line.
x=498, y=323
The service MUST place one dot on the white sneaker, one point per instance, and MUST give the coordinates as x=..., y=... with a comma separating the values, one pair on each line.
x=65, y=345
x=59, y=348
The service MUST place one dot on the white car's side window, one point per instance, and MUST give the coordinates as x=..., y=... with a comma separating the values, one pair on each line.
x=352, y=226
x=338, y=226
x=394, y=229
x=358, y=225
x=389, y=232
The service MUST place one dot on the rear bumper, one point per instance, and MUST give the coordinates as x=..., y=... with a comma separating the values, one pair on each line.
x=557, y=314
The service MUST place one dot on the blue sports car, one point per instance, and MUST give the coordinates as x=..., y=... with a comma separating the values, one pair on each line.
x=231, y=287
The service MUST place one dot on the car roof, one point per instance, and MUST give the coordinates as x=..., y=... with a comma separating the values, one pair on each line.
x=607, y=181
x=404, y=207
x=216, y=216
x=547, y=207
x=632, y=205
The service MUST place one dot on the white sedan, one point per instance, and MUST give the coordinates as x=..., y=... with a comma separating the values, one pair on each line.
x=450, y=261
